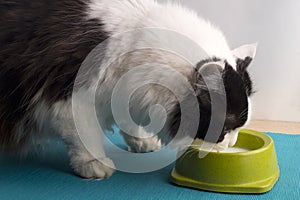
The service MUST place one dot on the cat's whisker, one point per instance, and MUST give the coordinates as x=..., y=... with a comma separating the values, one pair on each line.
x=244, y=112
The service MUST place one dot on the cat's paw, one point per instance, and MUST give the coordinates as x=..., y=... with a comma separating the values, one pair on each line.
x=151, y=144
x=95, y=169
x=143, y=142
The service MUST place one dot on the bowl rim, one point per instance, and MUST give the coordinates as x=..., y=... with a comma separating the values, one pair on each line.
x=266, y=139
x=258, y=187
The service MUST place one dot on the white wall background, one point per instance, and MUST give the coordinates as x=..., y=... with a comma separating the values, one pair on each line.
x=276, y=69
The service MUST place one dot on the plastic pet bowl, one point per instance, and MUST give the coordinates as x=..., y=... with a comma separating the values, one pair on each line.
x=254, y=171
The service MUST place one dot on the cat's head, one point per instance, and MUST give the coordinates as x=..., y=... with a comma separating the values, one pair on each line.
x=237, y=84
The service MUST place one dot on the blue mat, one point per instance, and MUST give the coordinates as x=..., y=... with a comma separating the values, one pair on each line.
x=48, y=176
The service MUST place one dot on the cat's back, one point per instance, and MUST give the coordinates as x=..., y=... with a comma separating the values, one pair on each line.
x=42, y=45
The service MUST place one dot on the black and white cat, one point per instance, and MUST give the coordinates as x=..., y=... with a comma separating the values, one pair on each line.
x=44, y=42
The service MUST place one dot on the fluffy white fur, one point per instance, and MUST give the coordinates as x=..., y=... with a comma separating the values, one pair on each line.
x=121, y=16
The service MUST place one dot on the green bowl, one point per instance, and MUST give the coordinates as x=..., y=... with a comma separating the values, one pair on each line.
x=254, y=171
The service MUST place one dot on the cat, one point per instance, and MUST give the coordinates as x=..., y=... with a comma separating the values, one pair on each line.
x=43, y=44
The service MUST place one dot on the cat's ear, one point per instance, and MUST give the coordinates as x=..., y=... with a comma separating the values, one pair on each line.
x=244, y=51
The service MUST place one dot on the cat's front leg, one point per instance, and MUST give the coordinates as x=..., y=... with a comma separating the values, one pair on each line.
x=82, y=161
